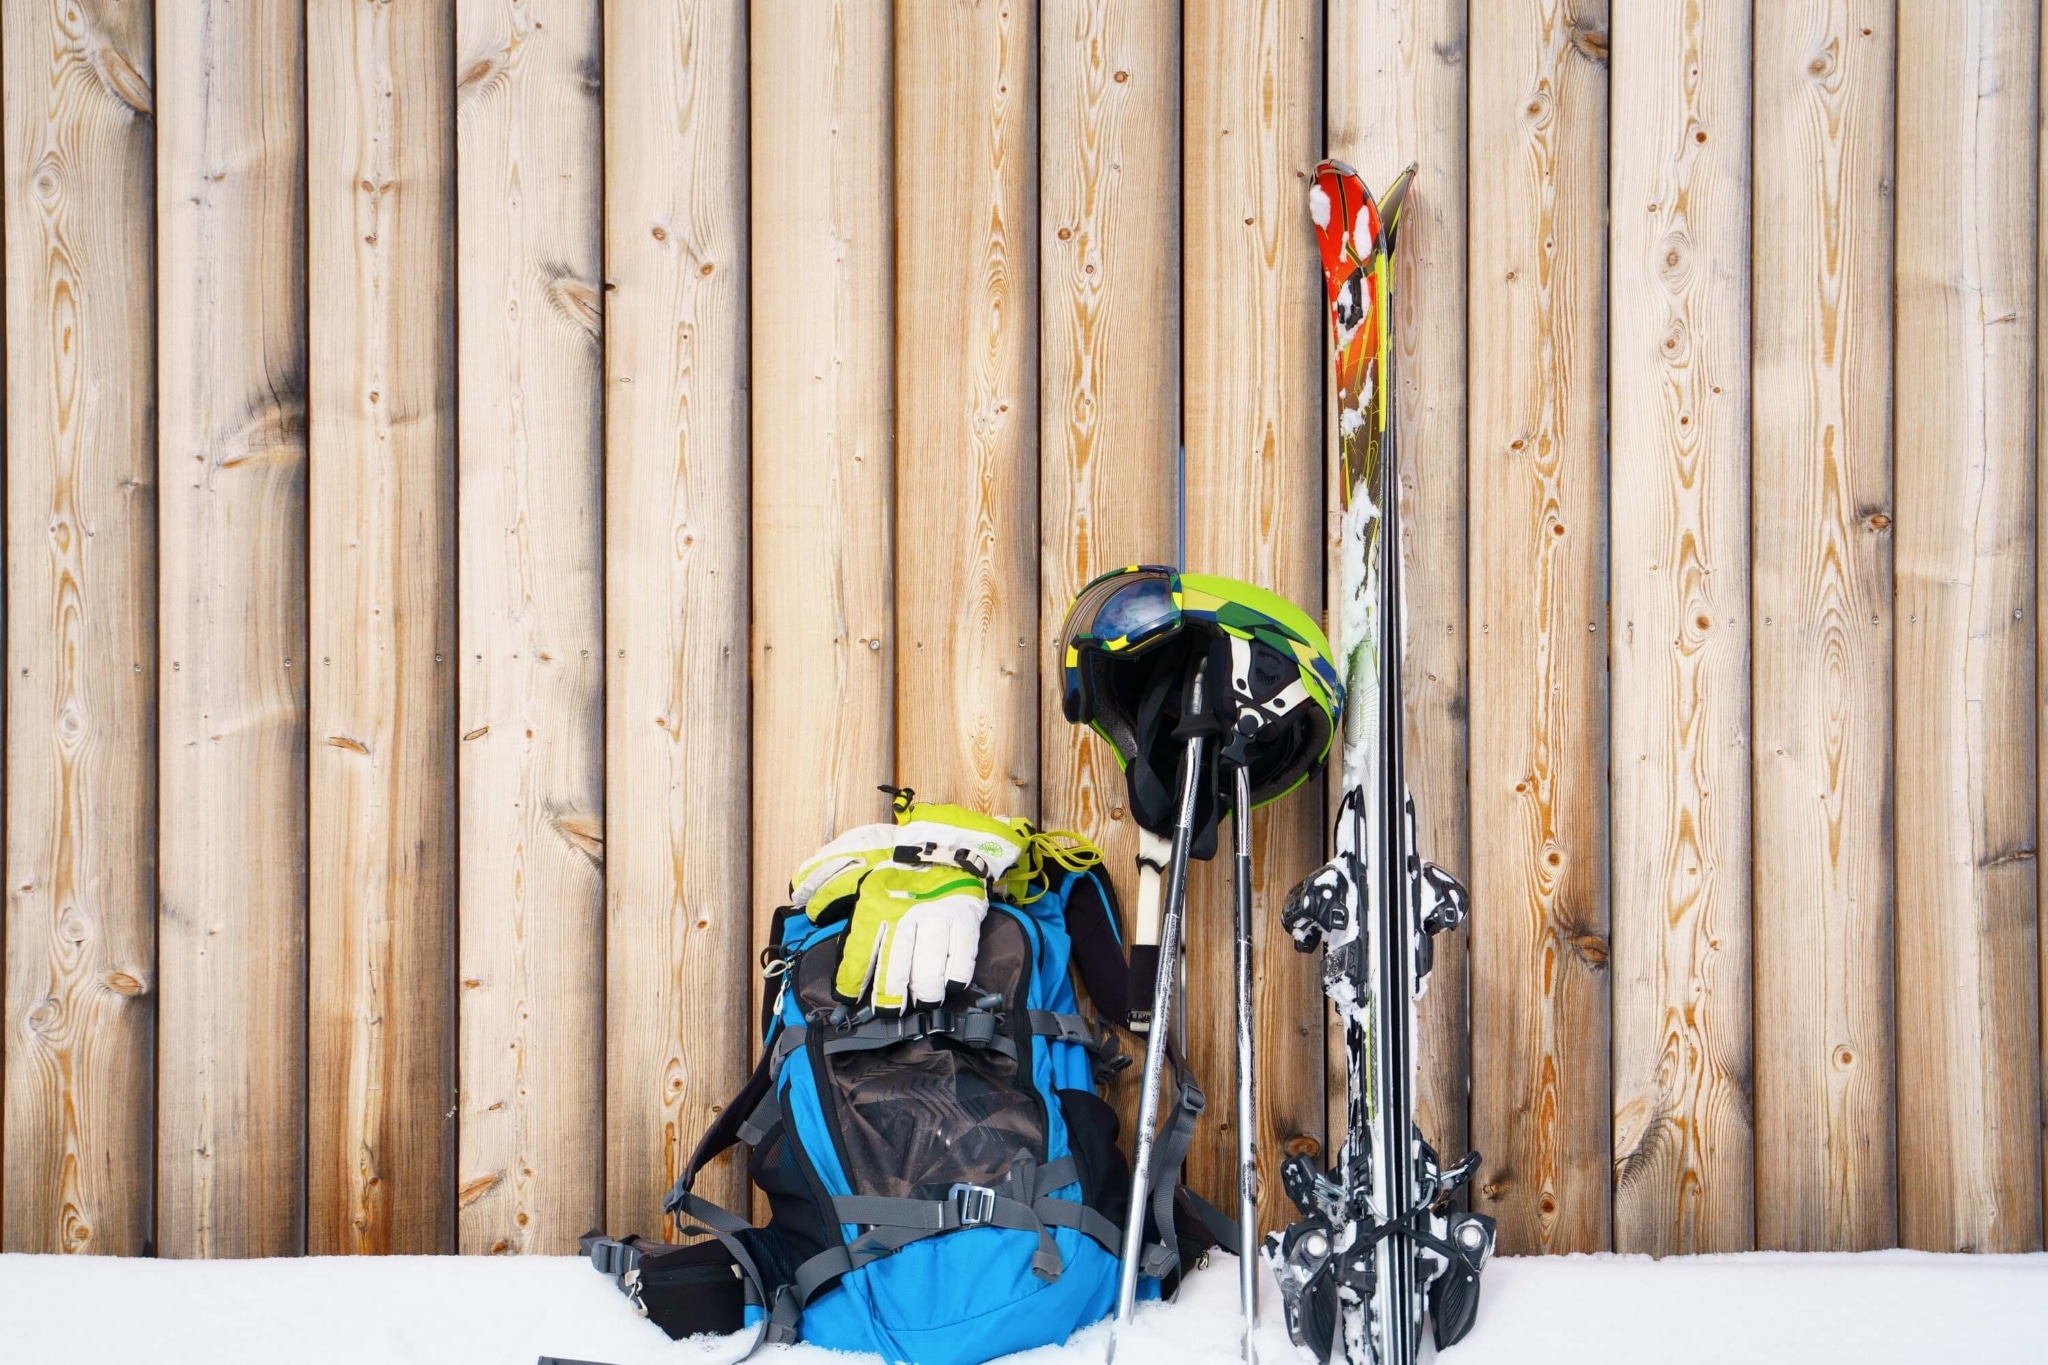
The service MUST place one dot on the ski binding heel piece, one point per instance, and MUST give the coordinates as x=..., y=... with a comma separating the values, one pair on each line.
x=1444, y=900
x=1320, y=904
x=1454, y=1296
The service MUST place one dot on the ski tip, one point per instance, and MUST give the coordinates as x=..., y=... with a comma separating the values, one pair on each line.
x=1337, y=199
x=1390, y=202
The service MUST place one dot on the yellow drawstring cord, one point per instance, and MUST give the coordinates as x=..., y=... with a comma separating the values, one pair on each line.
x=1062, y=847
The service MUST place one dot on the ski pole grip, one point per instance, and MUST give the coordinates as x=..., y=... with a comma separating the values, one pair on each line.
x=1153, y=851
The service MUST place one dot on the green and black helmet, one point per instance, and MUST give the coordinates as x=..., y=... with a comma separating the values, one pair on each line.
x=1127, y=647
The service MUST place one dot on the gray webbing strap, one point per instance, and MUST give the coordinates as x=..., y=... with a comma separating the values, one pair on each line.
x=758, y=1126
x=971, y=1028
x=1065, y=1028
x=1082, y=1218
x=709, y=1220
x=1019, y=1204
x=1169, y=1150
x=827, y=1265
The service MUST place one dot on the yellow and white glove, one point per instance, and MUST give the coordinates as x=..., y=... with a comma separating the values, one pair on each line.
x=916, y=922
x=914, y=932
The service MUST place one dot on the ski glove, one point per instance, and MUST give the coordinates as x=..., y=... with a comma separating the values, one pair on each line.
x=924, y=832
x=915, y=931
x=918, y=891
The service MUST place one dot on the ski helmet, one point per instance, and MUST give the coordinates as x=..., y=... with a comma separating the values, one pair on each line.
x=1126, y=647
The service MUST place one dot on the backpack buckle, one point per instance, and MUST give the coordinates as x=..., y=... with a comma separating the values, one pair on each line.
x=977, y=1203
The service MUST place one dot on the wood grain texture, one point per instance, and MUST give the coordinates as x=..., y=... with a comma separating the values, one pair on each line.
x=79, y=1063
x=1109, y=397
x=1253, y=120
x=1821, y=625
x=231, y=348
x=1397, y=96
x=966, y=186
x=1968, y=924
x=530, y=321
x=381, y=1026
x=1540, y=1098
x=824, y=661
x=1678, y=512
x=678, y=934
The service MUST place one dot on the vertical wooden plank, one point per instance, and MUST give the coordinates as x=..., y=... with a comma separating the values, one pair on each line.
x=1678, y=310
x=678, y=939
x=529, y=320
x=1253, y=118
x=1821, y=625
x=823, y=385
x=381, y=1030
x=1539, y=990
x=1109, y=401
x=1968, y=928
x=231, y=345
x=81, y=644
x=1397, y=96
x=966, y=178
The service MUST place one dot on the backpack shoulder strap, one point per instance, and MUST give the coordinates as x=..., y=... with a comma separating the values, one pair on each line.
x=1098, y=950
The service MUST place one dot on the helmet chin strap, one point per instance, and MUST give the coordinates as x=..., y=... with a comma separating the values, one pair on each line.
x=1252, y=714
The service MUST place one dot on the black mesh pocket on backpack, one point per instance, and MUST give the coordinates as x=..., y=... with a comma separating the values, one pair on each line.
x=799, y=1227
x=916, y=1118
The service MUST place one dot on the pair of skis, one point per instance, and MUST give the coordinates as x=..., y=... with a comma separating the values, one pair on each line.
x=1379, y=1247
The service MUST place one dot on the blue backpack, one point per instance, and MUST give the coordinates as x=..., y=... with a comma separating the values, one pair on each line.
x=944, y=1185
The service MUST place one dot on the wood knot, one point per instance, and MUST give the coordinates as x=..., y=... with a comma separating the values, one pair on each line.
x=575, y=301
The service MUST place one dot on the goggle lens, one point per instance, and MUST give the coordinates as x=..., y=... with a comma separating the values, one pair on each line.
x=1134, y=612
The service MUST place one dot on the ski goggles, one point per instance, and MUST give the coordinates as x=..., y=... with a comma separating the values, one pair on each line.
x=1123, y=612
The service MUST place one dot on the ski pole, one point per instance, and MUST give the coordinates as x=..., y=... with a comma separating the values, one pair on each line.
x=1155, y=1040
x=1247, y=1112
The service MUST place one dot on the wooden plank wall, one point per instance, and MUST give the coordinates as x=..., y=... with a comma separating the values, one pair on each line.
x=380, y=1062
x=232, y=630
x=676, y=605
x=81, y=614
x=1821, y=617
x=1536, y=353
x=490, y=487
x=1678, y=595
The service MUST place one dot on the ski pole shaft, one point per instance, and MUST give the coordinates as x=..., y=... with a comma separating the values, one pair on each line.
x=1155, y=1041
x=1247, y=1111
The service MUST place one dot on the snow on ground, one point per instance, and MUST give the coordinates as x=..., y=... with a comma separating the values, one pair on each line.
x=1891, y=1306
